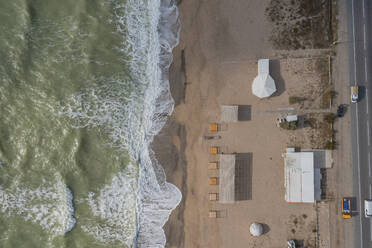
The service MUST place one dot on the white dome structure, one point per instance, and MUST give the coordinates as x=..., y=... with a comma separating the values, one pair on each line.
x=263, y=85
x=256, y=229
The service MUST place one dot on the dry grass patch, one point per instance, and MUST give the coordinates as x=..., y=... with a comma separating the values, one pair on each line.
x=302, y=229
x=316, y=133
x=300, y=24
x=311, y=89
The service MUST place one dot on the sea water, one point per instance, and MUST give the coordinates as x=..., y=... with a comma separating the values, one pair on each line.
x=83, y=90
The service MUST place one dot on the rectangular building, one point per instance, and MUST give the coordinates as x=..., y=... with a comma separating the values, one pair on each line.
x=302, y=180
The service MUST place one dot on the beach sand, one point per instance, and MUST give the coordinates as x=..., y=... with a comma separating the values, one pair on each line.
x=215, y=63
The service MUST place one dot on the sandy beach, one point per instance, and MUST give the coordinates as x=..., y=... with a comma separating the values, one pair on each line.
x=214, y=64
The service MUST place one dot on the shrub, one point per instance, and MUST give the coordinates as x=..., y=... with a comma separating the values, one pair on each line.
x=330, y=132
x=289, y=125
x=295, y=99
x=330, y=145
x=330, y=94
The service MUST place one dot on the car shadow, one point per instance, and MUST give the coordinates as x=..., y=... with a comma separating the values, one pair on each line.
x=361, y=93
x=354, y=202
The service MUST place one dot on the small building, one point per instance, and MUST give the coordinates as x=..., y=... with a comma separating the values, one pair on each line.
x=263, y=85
x=290, y=118
x=235, y=113
x=287, y=118
x=302, y=180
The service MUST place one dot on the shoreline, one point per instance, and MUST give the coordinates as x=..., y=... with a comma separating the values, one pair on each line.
x=169, y=146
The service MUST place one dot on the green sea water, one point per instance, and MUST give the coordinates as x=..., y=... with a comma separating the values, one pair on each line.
x=78, y=86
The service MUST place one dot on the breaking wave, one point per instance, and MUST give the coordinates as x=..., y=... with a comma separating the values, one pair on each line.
x=49, y=205
x=131, y=111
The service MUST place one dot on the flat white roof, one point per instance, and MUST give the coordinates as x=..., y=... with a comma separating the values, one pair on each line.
x=291, y=118
x=263, y=66
x=300, y=177
x=229, y=113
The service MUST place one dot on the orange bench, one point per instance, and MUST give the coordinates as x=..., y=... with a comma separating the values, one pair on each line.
x=213, y=150
x=213, y=181
x=214, y=127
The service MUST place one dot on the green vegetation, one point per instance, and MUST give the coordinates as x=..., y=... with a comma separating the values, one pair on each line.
x=330, y=95
x=329, y=118
x=289, y=125
x=330, y=145
x=327, y=98
x=295, y=99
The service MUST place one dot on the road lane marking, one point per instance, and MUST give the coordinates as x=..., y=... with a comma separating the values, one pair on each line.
x=364, y=10
x=365, y=37
x=368, y=132
x=367, y=99
x=365, y=69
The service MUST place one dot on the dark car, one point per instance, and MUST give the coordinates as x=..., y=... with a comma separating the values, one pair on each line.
x=341, y=110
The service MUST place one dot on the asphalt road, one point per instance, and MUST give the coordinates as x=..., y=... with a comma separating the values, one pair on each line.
x=360, y=31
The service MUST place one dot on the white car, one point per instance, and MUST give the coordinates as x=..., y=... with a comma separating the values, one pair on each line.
x=354, y=94
x=368, y=208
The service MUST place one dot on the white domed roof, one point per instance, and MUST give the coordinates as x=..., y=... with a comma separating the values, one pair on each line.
x=263, y=86
x=256, y=229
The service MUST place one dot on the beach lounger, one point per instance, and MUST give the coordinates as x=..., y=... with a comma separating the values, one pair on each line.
x=213, y=214
x=214, y=127
x=213, y=150
x=213, y=196
x=213, y=181
x=213, y=166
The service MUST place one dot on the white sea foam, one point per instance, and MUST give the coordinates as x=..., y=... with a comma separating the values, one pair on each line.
x=157, y=198
x=115, y=204
x=151, y=29
x=49, y=205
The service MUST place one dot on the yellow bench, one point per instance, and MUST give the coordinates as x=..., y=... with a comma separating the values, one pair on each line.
x=213, y=127
x=213, y=150
x=213, y=181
